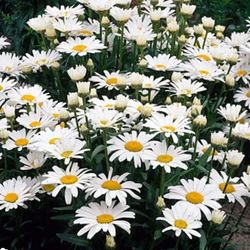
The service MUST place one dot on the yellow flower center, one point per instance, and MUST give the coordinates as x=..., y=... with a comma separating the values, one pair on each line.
x=69, y=179
x=139, y=108
x=66, y=154
x=160, y=67
x=187, y=91
x=35, y=124
x=204, y=57
x=242, y=120
x=85, y=32
x=28, y=98
x=104, y=122
x=229, y=189
x=109, y=105
x=104, y=218
x=167, y=128
x=53, y=140
x=248, y=94
x=21, y=142
x=111, y=185
x=241, y=72
x=164, y=158
x=62, y=124
x=181, y=224
x=204, y=72
x=112, y=81
x=213, y=151
x=1, y=87
x=48, y=187
x=133, y=146
x=194, y=197
x=56, y=116
x=79, y=48
x=11, y=197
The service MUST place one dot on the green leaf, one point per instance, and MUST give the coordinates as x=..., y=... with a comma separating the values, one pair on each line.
x=62, y=217
x=73, y=239
x=204, y=157
x=203, y=240
x=97, y=150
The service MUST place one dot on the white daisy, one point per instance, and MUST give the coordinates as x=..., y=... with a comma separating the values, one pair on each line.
x=169, y=126
x=163, y=62
x=243, y=95
x=19, y=139
x=6, y=84
x=72, y=179
x=13, y=193
x=113, y=187
x=168, y=156
x=67, y=24
x=33, y=160
x=64, y=11
x=232, y=189
x=3, y=42
x=232, y=113
x=186, y=87
x=196, y=195
x=96, y=217
x=181, y=219
x=80, y=46
x=129, y=147
x=10, y=64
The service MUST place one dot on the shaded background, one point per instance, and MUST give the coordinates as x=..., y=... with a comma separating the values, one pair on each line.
x=15, y=13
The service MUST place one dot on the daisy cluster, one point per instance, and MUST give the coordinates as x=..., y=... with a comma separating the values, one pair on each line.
x=119, y=103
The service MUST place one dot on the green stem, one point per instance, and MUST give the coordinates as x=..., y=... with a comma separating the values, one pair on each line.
x=195, y=143
x=162, y=182
x=105, y=137
x=121, y=47
x=204, y=42
x=77, y=124
x=211, y=164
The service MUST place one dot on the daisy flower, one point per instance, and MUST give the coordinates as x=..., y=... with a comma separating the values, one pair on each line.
x=96, y=217
x=181, y=220
x=163, y=62
x=38, y=59
x=168, y=156
x=129, y=147
x=233, y=191
x=104, y=5
x=196, y=196
x=243, y=95
x=246, y=180
x=237, y=39
x=33, y=160
x=4, y=124
x=169, y=126
x=232, y=113
x=13, y=193
x=104, y=118
x=149, y=82
x=64, y=11
x=19, y=139
x=40, y=23
x=72, y=179
x=139, y=27
x=67, y=149
x=46, y=139
x=6, y=84
x=81, y=47
x=67, y=24
x=113, y=187
x=105, y=102
x=196, y=69
x=186, y=87
x=177, y=110
x=89, y=28
x=108, y=80
x=242, y=71
x=198, y=53
x=35, y=120
x=10, y=64
x=242, y=131
x=3, y=42
x=28, y=95
x=203, y=146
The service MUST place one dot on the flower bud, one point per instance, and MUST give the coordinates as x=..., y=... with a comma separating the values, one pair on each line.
x=9, y=111
x=218, y=216
x=176, y=77
x=200, y=121
x=219, y=139
x=168, y=100
x=83, y=88
x=90, y=64
x=147, y=110
x=121, y=102
x=233, y=58
x=64, y=114
x=93, y=93
x=173, y=27
x=234, y=158
x=110, y=242
x=230, y=80
x=50, y=33
x=105, y=22
x=55, y=65
x=208, y=23
x=73, y=100
x=160, y=202
x=136, y=80
x=198, y=30
x=77, y=73
x=4, y=134
x=220, y=28
x=187, y=10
